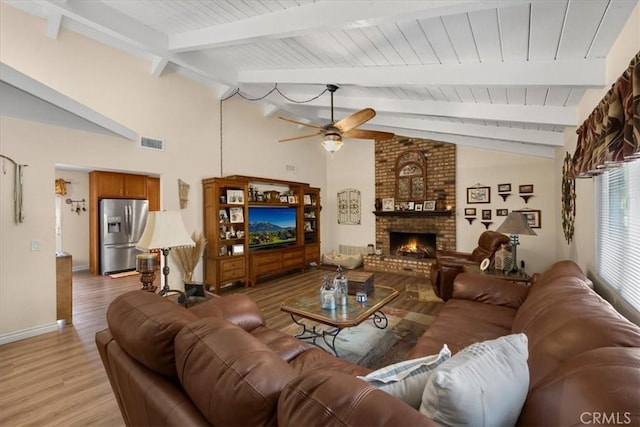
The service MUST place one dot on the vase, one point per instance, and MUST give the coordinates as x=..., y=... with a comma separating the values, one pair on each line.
x=503, y=258
x=327, y=294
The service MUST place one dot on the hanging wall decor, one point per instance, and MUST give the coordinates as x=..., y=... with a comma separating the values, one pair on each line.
x=349, y=207
x=18, y=214
x=568, y=198
x=61, y=186
x=75, y=205
x=183, y=193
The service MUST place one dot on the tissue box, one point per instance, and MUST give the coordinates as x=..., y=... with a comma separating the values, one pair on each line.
x=359, y=281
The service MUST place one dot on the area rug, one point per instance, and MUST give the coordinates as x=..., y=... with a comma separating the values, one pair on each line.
x=374, y=348
x=422, y=292
x=123, y=274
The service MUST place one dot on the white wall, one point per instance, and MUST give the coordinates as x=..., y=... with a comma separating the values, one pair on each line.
x=180, y=111
x=250, y=146
x=353, y=166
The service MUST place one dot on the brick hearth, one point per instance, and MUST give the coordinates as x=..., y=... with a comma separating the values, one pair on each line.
x=418, y=267
x=440, y=186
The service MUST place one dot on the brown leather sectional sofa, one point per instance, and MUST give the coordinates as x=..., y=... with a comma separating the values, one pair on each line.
x=218, y=364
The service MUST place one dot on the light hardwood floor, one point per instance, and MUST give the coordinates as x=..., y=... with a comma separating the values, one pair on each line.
x=57, y=379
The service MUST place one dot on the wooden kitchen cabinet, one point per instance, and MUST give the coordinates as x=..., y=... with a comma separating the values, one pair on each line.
x=153, y=193
x=121, y=185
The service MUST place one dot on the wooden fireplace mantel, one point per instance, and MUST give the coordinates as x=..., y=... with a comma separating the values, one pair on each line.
x=414, y=213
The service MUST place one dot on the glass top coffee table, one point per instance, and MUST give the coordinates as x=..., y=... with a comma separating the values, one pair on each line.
x=307, y=306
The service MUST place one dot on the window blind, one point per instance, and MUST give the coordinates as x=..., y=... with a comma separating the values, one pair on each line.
x=618, y=233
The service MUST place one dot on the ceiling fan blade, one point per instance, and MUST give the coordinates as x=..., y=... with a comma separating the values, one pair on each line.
x=355, y=120
x=299, y=137
x=309, y=125
x=368, y=134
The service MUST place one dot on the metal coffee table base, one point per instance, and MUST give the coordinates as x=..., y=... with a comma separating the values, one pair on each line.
x=379, y=319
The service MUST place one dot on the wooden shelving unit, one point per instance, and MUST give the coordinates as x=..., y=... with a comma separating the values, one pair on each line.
x=228, y=256
x=311, y=225
x=226, y=230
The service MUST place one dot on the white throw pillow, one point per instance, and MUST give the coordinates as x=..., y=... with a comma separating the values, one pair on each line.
x=406, y=380
x=485, y=384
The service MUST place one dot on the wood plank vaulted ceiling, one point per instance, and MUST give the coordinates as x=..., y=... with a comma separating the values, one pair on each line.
x=505, y=75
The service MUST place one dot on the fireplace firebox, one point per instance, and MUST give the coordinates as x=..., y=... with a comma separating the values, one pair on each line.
x=410, y=244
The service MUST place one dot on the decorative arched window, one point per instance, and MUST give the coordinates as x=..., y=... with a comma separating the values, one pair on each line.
x=411, y=176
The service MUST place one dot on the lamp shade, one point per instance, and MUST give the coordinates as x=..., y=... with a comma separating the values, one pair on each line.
x=332, y=142
x=516, y=223
x=164, y=229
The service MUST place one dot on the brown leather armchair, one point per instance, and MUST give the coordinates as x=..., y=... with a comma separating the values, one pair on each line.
x=449, y=263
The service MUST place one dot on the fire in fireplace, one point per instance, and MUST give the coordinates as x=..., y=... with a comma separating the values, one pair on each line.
x=416, y=245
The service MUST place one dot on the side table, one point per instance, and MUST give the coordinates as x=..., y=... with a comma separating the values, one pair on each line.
x=515, y=276
x=180, y=297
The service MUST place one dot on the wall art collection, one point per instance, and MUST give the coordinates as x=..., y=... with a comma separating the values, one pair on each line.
x=481, y=194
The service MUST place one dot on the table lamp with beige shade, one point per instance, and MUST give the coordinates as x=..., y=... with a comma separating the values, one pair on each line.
x=164, y=230
x=514, y=225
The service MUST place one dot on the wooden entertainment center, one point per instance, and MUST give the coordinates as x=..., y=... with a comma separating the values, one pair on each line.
x=233, y=253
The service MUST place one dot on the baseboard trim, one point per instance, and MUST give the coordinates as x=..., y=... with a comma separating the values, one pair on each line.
x=80, y=268
x=28, y=333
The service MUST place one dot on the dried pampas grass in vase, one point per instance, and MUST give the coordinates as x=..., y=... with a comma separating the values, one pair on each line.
x=187, y=258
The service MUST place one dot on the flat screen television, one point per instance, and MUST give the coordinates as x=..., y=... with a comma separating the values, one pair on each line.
x=271, y=226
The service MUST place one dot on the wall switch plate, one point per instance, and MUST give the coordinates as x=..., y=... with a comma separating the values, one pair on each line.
x=35, y=245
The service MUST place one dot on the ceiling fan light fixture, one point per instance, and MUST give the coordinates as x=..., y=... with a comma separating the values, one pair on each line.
x=332, y=142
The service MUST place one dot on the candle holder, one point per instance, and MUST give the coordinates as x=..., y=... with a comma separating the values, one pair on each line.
x=146, y=266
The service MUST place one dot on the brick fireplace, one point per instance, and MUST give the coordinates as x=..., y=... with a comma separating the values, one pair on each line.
x=433, y=229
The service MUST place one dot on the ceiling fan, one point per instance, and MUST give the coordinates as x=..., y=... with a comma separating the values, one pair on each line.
x=347, y=127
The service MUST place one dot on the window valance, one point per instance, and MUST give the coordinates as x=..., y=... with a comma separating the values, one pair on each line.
x=611, y=134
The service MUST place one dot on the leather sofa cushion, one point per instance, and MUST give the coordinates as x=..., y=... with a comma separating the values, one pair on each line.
x=474, y=287
x=238, y=309
x=233, y=378
x=286, y=346
x=564, y=268
x=542, y=299
x=325, y=398
x=592, y=384
x=462, y=323
x=144, y=397
x=144, y=325
x=564, y=318
x=316, y=359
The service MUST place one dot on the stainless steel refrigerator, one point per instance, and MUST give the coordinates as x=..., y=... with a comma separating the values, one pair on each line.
x=122, y=222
